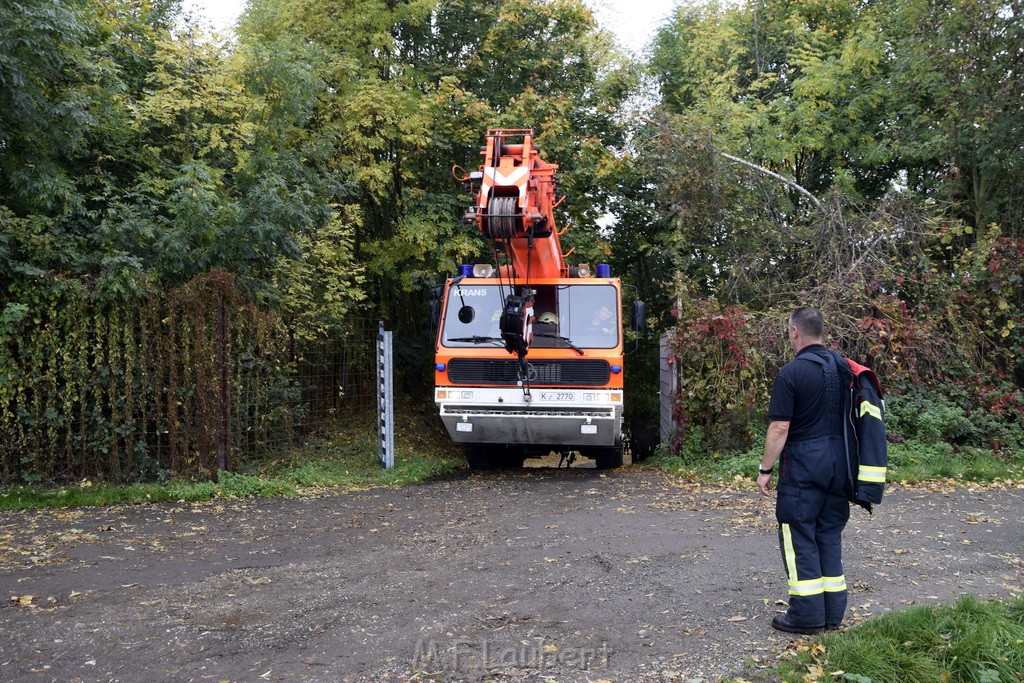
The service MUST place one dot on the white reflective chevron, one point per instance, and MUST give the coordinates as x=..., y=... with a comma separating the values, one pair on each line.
x=514, y=178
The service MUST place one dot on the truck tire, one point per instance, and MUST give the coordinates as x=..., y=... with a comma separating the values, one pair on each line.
x=493, y=457
x=608, y=458
x=479, y=458
x=644, y=436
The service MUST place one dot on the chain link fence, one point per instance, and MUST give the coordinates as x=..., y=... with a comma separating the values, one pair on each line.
x=181, y=384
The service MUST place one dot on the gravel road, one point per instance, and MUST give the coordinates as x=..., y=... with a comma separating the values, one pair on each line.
x=534, y=575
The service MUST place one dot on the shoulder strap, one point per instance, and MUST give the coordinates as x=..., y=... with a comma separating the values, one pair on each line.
x=834, y=394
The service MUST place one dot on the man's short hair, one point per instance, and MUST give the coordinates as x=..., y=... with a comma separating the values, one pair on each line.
x=809, y=321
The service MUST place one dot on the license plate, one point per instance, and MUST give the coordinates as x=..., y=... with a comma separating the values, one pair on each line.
x=558, y=395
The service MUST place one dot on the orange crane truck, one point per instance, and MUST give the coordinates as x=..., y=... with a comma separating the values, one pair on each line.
x=529, y=350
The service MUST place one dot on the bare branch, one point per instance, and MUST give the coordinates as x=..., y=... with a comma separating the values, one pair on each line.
x=778, y=177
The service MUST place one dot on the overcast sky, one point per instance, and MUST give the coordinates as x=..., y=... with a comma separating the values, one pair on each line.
x=633, y=21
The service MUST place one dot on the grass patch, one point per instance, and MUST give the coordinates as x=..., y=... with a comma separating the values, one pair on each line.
x=914, y=461
x=969, y=641
x=345, y=473
x=344, y=459
x=229, y=485
x=695, y=460
x=909, y=461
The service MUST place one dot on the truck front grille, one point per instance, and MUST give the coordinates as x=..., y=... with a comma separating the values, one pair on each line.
x=584, y=373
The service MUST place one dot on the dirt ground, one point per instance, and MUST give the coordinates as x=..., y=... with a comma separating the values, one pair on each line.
x=533, y=575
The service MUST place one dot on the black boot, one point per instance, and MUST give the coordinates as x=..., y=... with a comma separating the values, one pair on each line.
x=781, y=622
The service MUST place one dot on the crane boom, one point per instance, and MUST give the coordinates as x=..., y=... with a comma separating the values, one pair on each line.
x=515, y=204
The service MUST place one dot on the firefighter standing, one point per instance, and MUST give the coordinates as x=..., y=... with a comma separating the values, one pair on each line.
x=806, y=429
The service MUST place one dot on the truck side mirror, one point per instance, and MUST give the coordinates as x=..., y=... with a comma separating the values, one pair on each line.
x=639, y=316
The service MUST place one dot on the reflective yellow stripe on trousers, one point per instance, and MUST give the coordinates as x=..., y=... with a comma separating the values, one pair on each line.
x=797, y=587
x=833, y=584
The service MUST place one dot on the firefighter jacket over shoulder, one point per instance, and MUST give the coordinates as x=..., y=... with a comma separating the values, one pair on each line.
x=867, y=454
x=866, y=445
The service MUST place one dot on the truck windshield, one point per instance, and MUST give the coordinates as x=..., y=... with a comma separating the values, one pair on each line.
x=587, y=315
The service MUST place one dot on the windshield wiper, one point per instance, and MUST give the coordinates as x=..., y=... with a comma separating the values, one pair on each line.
x=476, y=339
x=568, y=341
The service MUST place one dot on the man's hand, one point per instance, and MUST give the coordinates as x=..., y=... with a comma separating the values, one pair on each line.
x=762, y=483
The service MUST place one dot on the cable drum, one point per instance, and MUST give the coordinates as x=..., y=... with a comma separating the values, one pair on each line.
x=501, y=217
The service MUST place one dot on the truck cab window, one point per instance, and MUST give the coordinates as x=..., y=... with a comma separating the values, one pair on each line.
x=474, y=313
x=591, y=314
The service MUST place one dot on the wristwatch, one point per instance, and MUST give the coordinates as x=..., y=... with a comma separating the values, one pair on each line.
x=770, y=470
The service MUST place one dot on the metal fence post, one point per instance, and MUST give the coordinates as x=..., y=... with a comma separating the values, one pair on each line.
x=669, y=386
x=385, y=399
x=223, y=389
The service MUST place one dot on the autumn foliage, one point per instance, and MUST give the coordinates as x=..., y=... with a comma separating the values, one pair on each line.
x=928, y=332
x=863, y=158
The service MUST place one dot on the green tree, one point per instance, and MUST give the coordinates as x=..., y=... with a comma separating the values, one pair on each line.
x=50, y=88
x=954, y=90
x=217, y=180
x=784, y=85
x=134, y=155
x=860, y=97
x=412, y=88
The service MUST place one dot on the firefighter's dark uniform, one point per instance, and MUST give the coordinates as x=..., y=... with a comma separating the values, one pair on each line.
x=812, y=506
